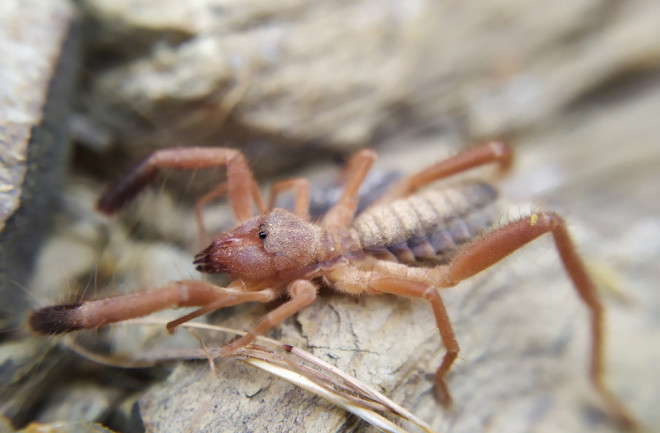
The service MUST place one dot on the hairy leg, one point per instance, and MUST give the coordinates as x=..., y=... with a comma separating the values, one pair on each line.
x=301, y=292
x=503, y=241
x=241, y=185
x=200, y=204
x=300, y=187
x=93, y=314
x=494, y=151
x=357, y=167
x=396, y=278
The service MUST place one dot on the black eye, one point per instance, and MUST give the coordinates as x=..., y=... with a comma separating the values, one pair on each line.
x=262, y=232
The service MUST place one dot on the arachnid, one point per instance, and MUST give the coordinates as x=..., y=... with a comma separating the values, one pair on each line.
x=410, y=242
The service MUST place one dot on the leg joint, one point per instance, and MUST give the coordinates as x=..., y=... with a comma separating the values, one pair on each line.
x=430, y=293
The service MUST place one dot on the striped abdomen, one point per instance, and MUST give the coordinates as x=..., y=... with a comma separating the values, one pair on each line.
x=430, y=225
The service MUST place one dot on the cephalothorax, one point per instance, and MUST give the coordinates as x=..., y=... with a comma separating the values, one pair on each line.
x=281, y=253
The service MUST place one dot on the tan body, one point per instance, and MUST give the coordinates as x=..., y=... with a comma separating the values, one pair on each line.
x=444, y=234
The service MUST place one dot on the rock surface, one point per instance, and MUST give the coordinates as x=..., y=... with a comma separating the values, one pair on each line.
x=575, y=85
x=316, y=78
x=38, y=48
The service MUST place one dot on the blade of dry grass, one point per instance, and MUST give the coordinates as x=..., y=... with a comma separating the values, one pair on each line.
x=319, y=378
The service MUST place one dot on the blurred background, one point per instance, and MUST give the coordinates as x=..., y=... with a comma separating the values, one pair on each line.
x=89, y=87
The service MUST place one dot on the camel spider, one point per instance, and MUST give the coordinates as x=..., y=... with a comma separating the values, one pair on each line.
x=281, y=253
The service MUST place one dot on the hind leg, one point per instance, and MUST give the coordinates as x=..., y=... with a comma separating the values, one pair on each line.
x=390, y=277
x=494, y=151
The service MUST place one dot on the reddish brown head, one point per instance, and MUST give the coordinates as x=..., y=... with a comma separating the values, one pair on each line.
x=275, y=245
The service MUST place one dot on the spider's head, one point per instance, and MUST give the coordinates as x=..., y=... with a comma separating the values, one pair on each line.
x=277, y=245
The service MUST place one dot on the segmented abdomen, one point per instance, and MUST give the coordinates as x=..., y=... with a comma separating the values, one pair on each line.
x=430, y=225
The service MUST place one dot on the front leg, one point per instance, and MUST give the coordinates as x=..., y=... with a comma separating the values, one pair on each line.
x=301, y=292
